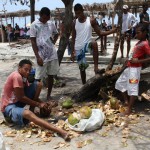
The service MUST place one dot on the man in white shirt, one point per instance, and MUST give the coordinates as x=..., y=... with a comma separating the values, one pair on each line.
x=82, y=40
x=44, y=49
x=126, y=31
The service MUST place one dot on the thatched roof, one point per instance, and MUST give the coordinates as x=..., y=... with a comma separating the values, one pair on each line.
x=106, y=8
x=20, y=13
x=111, y=5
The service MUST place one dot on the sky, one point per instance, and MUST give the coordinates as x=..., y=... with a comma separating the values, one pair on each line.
x=51, y=4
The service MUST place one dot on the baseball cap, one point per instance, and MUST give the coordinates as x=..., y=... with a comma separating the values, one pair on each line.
x=125, y=7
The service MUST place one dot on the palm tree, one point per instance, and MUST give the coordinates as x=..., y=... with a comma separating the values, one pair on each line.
x=67, y=28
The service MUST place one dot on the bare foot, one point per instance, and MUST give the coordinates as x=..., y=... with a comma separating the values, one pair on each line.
x=126, y=113
x=66, y=136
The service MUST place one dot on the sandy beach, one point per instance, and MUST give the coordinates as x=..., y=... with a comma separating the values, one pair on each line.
x=106, y=138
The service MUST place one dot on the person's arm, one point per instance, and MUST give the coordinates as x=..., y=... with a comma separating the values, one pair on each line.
x=55, y=38
x=98, y=31
x=145, y=48
x=34, y=44
x=135, y=21
x=55, y=33
x=136, y=60
x=73, y=41
x=35, y=49
x=19, y=93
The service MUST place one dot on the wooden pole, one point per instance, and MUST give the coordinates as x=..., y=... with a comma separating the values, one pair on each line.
x=2, y=33
x=5, y=13
x=25, y=22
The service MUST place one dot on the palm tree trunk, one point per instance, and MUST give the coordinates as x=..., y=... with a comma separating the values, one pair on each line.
x=118, y=36
x=32, y=10
x=67, y=29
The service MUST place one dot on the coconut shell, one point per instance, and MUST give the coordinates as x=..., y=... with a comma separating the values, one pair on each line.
x=45, y=112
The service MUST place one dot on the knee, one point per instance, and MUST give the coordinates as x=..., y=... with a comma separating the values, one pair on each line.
x=27, y=114
x=94, y=44
x=39, y=85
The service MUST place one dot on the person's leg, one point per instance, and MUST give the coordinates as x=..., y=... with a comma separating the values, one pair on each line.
x=133, y=87
x=122, y=45
x=128, y=45
x=125, y=97
x=102, y=45
x=95, y=55
x=52, y=70
x=105, y=43
x=33, y=92
x=83, y=76
x=121, y=84
x=50, y=85
x=130, y=105
x=32, y=117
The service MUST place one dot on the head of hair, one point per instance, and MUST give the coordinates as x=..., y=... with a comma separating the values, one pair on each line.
x=142, y=27
x=145, y=5
x=45, y=11
x=78, y=7
x=25, y=61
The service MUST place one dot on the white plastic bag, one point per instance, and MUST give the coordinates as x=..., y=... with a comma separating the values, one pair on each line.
x=2, y=144
x=94, y=122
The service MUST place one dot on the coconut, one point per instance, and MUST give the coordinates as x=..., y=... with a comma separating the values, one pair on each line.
x=85, y=112
x=74, y=118
x=114, y=103
x=45, y=112
x=67, y=103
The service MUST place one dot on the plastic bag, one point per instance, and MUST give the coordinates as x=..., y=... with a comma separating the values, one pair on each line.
x=2, y=144
x=94, y=122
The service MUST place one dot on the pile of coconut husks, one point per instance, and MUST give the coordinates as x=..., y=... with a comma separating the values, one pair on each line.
x=112, y=108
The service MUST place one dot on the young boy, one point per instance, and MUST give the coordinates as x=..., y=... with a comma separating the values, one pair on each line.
x=17, y=93
x=82, y=40
x=128, y=82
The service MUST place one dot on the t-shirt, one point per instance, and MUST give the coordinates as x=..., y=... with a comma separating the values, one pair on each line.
x=43, y=33
x=127, y=21
x=141, y=49
x=145, y=17
x=52, y=27
x=14, y=80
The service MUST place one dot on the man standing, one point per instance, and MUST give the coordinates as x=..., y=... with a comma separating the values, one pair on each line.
x=44, y=50
x=127, y=29
x=144, y=18
x=82, y=40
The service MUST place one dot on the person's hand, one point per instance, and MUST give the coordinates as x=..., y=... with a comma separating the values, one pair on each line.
x=72, y=58
x=134, y=60
x=39, y=61
x=115, y=29
x=43, y=105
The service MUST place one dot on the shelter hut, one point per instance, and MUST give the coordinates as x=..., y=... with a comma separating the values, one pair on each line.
x=101, y=9
x=20, y=13
x=12, y=15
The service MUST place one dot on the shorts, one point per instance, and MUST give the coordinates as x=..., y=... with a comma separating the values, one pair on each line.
x=129, y=81
x=80, y=56
x=49, y=68
x=14, y=112
x=126, y=35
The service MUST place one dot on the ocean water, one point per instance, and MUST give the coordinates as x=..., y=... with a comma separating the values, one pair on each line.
x=21, y=20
